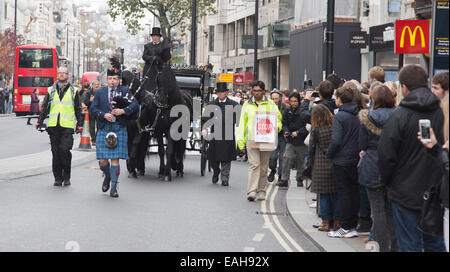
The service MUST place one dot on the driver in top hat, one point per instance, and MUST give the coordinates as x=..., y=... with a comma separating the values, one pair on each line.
x=156, y=54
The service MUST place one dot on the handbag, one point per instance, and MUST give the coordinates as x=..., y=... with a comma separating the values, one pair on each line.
x=431, y=216
x=308, y=162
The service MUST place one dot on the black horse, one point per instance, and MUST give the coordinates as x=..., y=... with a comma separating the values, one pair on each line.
x=155, y=117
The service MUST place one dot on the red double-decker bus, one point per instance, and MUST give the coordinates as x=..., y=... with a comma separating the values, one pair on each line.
x=36, y=67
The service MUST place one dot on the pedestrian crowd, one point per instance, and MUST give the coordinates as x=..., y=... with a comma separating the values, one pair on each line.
x=361, y=147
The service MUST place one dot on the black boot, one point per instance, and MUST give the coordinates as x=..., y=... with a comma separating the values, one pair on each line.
x=114, y=193
x=140, y=172
x=271, y=176
x=57, y=183
x=132, y=174
x=105, y=186
x=215, y=178
x=67, y=182
x=282, y=183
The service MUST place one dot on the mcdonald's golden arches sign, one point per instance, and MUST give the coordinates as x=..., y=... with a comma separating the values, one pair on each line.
x=412, y=36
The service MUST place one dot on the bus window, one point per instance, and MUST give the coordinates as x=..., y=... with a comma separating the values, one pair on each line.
x=35, y=58
x=35, y=81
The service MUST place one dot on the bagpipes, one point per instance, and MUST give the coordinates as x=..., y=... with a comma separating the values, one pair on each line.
x=119, y=102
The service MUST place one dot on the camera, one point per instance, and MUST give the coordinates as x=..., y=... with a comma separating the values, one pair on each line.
x=315, y=94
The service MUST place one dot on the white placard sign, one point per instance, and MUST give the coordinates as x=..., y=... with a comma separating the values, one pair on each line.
x=265, y=128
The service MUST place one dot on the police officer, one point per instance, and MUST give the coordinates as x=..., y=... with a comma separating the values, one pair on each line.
x=156, y=54
x=112, y=127
x=222, y=151
x=62, y=104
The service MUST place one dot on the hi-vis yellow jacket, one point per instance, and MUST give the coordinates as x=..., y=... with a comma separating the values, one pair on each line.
x=248, y=112
x=64, y=107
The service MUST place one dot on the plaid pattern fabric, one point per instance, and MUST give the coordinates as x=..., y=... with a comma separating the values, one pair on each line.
x=322, y=174
x=121, y=150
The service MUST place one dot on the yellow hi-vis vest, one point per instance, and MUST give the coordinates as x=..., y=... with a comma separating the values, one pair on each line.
x=65, y=108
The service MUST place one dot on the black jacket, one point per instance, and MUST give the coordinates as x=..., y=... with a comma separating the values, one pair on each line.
x=295, y=121
x=158, y=54
x=406, y=168
x=344, y=145
x=46, y=109
x=369, y=135
x=223, y=150
x=441, y=156
x=329, y=103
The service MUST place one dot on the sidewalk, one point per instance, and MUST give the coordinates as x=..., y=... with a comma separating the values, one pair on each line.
x=298, y=200
x=39, y=163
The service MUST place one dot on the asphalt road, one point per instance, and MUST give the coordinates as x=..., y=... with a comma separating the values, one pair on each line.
x=189, y=214
x=17, y=138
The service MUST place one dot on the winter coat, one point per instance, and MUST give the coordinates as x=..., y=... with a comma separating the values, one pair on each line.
x=406, y=168
x=223, y=150
x=248, y=113
x=295, y=121
x=369, y=134
x=34, y=106
x=344, y=145
x=322, y=173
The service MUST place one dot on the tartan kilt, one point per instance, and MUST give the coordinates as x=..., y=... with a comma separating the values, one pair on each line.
x=121, y=150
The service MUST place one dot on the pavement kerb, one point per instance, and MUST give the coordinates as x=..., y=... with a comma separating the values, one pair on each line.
x=40, y=163
x=304, y=217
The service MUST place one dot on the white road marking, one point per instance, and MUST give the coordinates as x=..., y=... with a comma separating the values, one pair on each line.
x=277, y=222
x=272, y=229
x=249, y=249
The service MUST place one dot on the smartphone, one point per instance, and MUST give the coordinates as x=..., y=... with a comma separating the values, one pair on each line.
x=424, y=126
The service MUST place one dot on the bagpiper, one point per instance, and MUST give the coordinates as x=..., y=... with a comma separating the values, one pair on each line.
x=112, y=107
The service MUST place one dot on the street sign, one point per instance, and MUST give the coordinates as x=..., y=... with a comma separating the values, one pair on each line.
x=238, y=79
x=359, y=39
x=412, y=37
x=226, y=77
x=376, y=38
x=440, y=41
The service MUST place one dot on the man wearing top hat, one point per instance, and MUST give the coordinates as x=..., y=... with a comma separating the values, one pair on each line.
x=156, y=54
x=222, y=151
x=113, y=113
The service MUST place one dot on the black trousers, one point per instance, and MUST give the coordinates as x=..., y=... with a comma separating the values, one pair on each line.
x=346, y=179
x=224, y=171
x=61, y=144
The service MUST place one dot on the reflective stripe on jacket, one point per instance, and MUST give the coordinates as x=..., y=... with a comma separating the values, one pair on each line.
x=248, y=112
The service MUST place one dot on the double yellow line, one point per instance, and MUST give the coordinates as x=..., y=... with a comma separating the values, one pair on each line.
x=292, y=246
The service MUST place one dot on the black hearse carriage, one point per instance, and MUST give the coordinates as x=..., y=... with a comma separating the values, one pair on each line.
x=200, y=82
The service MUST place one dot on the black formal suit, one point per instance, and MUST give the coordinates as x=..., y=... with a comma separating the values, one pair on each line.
x=223, y=151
